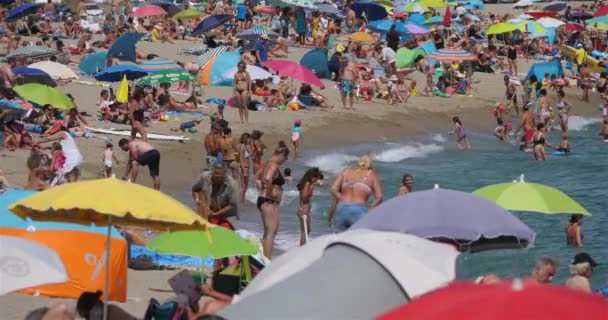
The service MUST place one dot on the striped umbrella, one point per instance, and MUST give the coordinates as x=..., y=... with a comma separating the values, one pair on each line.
x=156, y=65
x=34, y=52
x=167, y=76
x=204, y=58
x=329, y=9
x=256, y=32
x=452, y=54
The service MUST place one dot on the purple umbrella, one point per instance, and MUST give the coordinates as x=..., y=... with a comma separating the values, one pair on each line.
x=415, y=29
x=581, y=15
x=468, y=221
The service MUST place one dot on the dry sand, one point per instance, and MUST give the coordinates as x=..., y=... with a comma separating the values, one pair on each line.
x=182, y=162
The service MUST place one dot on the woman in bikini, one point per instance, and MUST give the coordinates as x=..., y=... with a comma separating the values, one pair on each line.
x=271, y=181
x=306, y=187
x=257, y=151
x=539, y=142
x=244, y=153
x=544, y=109
x=574, y=235
x=136, y=114
x=352, y=190
x=227, y=147
x=563, y=106
x=242, y=84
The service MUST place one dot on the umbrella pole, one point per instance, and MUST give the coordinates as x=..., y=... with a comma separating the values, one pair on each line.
x=106, y=294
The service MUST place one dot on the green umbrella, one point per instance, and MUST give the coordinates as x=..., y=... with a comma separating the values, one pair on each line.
x=532, y=197
x=405, y=57
x=42, y=95
x=189, y=14
x=502, y=27
x=217, y=242
x=167, y=76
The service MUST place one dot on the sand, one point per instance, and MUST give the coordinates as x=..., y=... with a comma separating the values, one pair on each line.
x=182, y=162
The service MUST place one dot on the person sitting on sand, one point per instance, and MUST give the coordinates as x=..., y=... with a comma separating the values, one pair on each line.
x=60, y=311
x=144, y=154
x=90, y=307
x=40, y=171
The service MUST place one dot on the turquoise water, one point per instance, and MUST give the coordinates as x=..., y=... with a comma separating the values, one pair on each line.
x=434, y=159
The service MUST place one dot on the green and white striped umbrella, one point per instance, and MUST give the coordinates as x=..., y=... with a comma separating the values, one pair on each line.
x=308, y=4
x=167, y=76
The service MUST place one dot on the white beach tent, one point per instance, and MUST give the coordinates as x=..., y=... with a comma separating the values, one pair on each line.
x=359, y=275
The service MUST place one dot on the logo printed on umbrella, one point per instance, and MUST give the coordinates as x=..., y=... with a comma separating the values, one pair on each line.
x=14, y=266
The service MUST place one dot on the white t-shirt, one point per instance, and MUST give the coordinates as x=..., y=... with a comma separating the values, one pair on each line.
x=461, y=10
x=388, y=54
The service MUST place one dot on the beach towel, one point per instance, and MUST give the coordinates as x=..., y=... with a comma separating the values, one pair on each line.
x=167, y=260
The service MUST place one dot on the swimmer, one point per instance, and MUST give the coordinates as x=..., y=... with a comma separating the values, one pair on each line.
x=604, y=131
x=539, y=142
x=461, y=134
x=564, y=145
x=408, y=185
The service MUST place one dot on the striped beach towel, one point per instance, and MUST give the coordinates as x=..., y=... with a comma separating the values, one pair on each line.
x=196, y=51
x=156, y=65
x=204, y=58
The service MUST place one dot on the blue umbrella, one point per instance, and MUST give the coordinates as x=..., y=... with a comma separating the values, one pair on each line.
x=475, y=4
x=433, y=20
x=17, y=111
x=33, y=75
x=93, y=63
x=22, y=11
x=211, y=22
x=124, y=47
x=329, y=9
x=168, y=6
x=463, y=219
x=371, y=11
x=555, y=6
x=416, y=18
x=383, y=26
x=116, y=73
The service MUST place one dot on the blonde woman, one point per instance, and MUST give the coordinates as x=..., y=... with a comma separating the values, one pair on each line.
x=352, y=190
x=580, y=271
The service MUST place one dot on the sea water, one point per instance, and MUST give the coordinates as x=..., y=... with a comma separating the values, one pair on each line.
x=434, y=159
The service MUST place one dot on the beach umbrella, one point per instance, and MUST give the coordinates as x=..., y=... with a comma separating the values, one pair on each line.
x=581, y=15
x=475, y=5
x=541, y=14
x=502, y=27
x=531, y=26
x=555, y=6
x=117, y=72
x=294, y=70
x=189, y=14
x=25, y=264
x=463, y=219
x=523, y=4
x=573, y=27
x=503, y=301
x=113, y=202
x=122, y=94
x=124, y=47
x=255, y=73
x=80, y=247
x=33, y=52
x=32, y=75
x=397, y=268
x=213, y=71
x=41, y=95
x=384, y=26
x=601, y=26
x=255, y=32
x=371, y=11
x=603, y=19
x=415, y=29
x=92, y=63
x=434, y=3
x=167, y=76
x=217, y=242
x=22, y=11
x=361, y=37
x=452, y=54
x=265, y=9
x=550, y=22
x=416, y=7
x=17, y=110
x=329, y=9
x=149, y=10
x=415, y=18
x=211, y=22
x=602, y=11
x=157, y=65
x=532, y=197
x=209, y=54
x=55, y=70
x=307, y=4
x=168, y=6
x=434, y=20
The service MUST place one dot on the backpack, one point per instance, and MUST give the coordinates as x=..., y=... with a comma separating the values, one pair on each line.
x=165, y=311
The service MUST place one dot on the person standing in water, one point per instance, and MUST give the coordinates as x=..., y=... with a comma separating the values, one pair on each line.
x=539, y=142
x=527, y=123
x=352, y=190
x=544, y=109
x=408, y=185
x=242, y=93
x=563, y=107
x=306, y=188
x=461, y=134
x=574, y=235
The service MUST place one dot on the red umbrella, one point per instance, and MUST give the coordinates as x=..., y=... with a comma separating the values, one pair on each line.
x=504, y=301
x=541, y=14
x=447, y=19
x=572, y=27
x=294, y=70
x=148, y=11
x=601, y=11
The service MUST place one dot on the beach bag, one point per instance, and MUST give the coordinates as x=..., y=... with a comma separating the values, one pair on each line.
x=142, y=263
x=233, y=279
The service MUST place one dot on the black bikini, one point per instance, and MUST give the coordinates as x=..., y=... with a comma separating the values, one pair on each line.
x=278, y=180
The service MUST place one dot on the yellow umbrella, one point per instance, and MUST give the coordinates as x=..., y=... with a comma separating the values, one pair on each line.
x=122, y=95
x=502, y=27
x=107, y=202
x=361, y=37
x=600, y=26
x=433, y=3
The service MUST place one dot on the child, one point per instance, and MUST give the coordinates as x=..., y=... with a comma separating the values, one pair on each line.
x=287, y=175
x=108, y=156
x=461, y=134
x=306, y=188
x=104, y=106
x=428, y=90
x=564, y=145
x=403, y=93
x=296, y=136
x=57, y=163
x=511, y=94
x=502, y=130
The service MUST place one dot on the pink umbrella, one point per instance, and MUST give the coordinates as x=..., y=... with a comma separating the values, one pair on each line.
x=149, y=10
x=294, y=70
x=415, y=29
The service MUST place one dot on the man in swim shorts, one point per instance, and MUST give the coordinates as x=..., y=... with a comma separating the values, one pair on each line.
x=141, y=154
x=528, y=123
x=348, y=74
